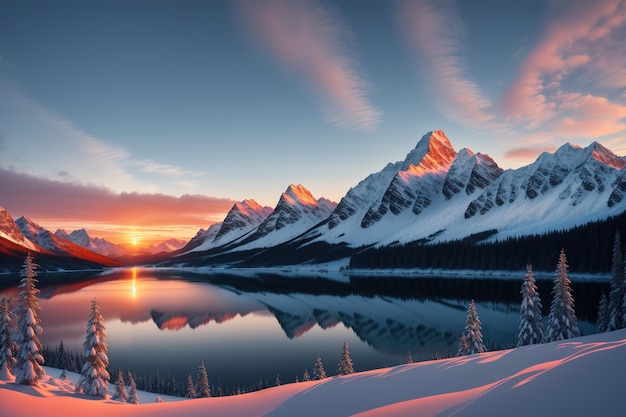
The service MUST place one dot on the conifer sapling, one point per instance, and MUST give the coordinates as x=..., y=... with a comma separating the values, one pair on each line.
x=345, y=366
x=318, y=370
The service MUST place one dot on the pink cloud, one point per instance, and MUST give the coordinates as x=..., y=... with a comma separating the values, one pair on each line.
x=527, y=154
x=309, y=39
x=577, y=38
x=56, y=203
x=590, y=115
x=435, y=30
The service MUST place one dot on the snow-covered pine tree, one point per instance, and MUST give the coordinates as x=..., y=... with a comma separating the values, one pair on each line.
x=463, y=347
x=603, y=314
x=616, y=296
x=132, y=390
x=345, y=366
x=190, y=392
x=306, y=376
x=94, y=378
x=120, y=389
x=7, y=346
x=318, y=370
x=28, y=370
x=277, y=382
x=202, y=389
x=562, y=321
x=472, y=331
x=531, y=330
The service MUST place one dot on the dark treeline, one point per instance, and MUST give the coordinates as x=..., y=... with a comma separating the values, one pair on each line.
x=588, y=247
x=61, y=358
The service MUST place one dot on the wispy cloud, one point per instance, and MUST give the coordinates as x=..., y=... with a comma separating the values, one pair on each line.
x=37, y=140
x=311, y=40
x=584, y=42
x=435, y=30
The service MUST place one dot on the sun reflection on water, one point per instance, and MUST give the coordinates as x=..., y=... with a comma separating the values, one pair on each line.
x=133, y=284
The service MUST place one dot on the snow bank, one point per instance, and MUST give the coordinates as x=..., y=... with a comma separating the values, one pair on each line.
x=581, y=377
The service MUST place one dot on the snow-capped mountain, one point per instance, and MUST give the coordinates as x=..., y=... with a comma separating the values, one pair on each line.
x=570, y=186
x=420, y=178
x=23, y=236
x=169, y=245
x=436, y=194
x=42, y=237
x=469, y=172
x=296, y=212
x=10, y=231
x=96, y=244
x=472, y=194
x=55, y=244
x=243, y=217
x=202, y=237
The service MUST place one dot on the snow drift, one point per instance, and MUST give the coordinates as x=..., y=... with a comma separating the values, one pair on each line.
x=578, y=377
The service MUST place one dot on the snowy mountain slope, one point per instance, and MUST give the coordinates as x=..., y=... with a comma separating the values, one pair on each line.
x=561, y=190
x=447, y=184
x=436, y=194
x=243, y=217
x=296, y=212
x=43, y=238
x=470, y=172
x=420, y=178
x=574, y=378
x=570, y=187
x=11, y=232
x=98, y=245
x=359, y=198
x=169, y=245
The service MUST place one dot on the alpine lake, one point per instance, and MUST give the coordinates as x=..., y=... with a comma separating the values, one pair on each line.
x=250, y=327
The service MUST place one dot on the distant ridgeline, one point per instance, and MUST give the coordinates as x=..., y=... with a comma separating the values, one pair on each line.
x=589, y=248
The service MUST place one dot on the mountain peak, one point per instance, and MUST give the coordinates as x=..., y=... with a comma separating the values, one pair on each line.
x=298, y=194
x=432, y=154
x=604, y=155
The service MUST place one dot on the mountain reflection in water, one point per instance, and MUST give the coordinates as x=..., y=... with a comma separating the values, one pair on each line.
x=253, y=326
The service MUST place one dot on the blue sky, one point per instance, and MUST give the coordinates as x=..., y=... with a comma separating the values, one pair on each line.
x=227, y=100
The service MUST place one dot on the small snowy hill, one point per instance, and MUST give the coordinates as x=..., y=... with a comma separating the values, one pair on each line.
x=575, y=378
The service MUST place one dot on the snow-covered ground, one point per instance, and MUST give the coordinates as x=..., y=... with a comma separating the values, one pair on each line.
x=580, y=377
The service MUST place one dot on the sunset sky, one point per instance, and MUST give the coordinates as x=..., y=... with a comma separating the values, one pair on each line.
x=149, y=118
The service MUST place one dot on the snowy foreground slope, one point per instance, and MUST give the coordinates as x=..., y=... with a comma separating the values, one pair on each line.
x=580, y=377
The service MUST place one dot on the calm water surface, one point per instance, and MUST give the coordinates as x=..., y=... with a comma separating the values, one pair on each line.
x=251, y=328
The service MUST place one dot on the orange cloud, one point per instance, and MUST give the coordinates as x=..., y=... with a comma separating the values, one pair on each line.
x=57, y=203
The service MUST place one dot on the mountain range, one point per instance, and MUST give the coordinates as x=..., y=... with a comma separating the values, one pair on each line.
x=61, y=250
x=435, y=194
